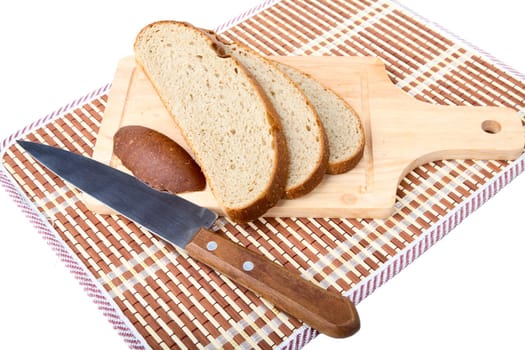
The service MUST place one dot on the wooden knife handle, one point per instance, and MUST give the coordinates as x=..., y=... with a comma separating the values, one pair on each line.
x=328, y=312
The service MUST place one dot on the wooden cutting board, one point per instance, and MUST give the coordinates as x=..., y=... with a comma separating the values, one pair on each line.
x=401, y=133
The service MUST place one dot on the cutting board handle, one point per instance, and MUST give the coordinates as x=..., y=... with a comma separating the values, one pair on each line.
x=431, y=132
x=324, y=310
x=445, y=133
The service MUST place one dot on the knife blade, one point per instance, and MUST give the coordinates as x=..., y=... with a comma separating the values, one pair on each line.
x=186, y=225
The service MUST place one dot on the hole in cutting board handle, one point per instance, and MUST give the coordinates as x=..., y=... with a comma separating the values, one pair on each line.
x=491, y=126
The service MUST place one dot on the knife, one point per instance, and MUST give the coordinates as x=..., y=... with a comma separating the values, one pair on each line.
x=186, y=225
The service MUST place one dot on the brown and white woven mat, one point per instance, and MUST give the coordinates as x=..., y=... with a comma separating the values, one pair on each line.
x=158, y=297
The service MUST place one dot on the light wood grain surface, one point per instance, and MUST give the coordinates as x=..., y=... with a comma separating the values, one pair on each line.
x=401, y=133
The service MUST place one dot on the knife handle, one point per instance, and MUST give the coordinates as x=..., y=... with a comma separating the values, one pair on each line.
x=327, y=311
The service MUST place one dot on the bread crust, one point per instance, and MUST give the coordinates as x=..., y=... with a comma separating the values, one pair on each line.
x=349, y=163
x=276, y=189
x=320, y=170
x=279, y=172
x=157, y=160
x=322, y=161
x=321, y=166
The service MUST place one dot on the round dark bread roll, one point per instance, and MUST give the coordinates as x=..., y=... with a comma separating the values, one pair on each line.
x=157, y=160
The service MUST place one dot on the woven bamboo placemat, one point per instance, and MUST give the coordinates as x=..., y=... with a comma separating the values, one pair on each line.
x=158, y=297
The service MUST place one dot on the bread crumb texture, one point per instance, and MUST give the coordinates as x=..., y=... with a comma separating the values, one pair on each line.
x=223, y=118
x=341, y=123
x=305, y=136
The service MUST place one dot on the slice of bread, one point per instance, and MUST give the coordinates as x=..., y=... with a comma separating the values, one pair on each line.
x=225, y=118
x=305, y=136
x=343, y=127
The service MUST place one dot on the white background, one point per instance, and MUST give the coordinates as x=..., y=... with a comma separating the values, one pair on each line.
x=466, y=292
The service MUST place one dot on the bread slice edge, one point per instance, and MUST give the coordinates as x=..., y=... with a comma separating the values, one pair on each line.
x=347, y=164
x=321, y=165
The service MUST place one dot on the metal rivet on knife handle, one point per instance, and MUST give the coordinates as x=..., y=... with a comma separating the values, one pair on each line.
x=211, y=246
x=247, y=266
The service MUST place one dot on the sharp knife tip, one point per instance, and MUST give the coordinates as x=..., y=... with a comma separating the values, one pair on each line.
x=29, y=146
x=23, y=143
